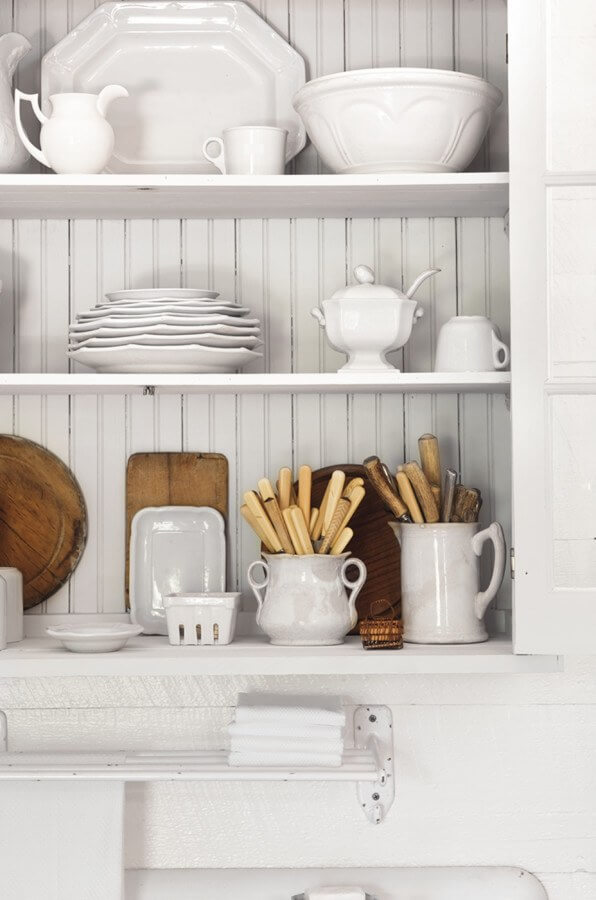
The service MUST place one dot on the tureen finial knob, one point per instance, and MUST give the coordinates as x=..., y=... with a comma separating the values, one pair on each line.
x=364, y=275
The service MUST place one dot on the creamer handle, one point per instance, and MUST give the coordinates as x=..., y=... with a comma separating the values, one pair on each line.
x=19, y=96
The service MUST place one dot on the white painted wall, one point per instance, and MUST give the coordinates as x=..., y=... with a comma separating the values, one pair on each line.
x=490, y=770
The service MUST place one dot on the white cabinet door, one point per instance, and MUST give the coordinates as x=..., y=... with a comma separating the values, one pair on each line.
x=552, y=62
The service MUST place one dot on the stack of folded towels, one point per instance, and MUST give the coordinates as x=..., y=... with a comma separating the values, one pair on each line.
x=282, y=730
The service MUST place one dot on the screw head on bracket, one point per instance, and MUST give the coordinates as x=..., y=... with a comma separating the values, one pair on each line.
x=372, y=718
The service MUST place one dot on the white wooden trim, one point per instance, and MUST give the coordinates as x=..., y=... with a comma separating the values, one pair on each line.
x=278, y=196
x=151, y=656
x=259, y=383
x=446, y=883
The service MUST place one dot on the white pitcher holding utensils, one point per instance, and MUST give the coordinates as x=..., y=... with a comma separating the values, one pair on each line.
x=440, y=580
x=303, y=600
x=76, y=139
x=470, y=344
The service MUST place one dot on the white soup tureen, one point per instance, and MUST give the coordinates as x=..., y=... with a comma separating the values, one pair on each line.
x=369, y=320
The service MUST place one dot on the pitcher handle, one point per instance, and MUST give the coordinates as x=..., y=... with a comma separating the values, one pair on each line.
x=499, y=347
x=258, y=588
x=353, y=586
x=218, y=161
x=19, y=96
x=493, y=533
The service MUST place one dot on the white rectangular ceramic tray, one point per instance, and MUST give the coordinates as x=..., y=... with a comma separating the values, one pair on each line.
x=173, y=550
x=191, y=69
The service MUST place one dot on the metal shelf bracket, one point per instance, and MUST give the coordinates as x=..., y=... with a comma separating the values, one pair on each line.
x=373, y=730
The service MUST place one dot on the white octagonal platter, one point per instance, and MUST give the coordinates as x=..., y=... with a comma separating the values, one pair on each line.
x=192, y=68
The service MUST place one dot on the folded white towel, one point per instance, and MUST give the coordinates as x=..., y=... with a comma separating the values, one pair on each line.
x=256, y=744
x=281, y=729
x=291, y=709
x=285, y=759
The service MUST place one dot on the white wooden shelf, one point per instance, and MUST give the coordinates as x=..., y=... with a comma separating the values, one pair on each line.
x=284, y=383
x=281, y=196
x=153, y=656
x=370, y=765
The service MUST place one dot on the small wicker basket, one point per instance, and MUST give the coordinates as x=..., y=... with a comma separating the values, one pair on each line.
x=382, y=632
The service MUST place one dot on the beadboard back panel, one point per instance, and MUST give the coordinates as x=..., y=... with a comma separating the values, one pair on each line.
x=281, y=269
x=332, y=36
x=50, y=269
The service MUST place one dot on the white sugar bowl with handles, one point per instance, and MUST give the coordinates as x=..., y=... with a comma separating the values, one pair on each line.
x=368, y=320
x=303, y=600
x=76, y=139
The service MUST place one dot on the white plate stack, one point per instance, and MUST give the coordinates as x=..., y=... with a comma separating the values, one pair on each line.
x=179, y=330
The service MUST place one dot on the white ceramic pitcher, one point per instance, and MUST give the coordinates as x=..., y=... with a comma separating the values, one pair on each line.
x=303, y=600
x=440, y=581
x=76, y=139
x=13, y=156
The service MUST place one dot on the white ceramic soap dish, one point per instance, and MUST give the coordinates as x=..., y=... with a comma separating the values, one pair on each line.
x=94, y=638
x=201, y=618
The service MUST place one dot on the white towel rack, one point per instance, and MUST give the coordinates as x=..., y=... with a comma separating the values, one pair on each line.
x=369, y=765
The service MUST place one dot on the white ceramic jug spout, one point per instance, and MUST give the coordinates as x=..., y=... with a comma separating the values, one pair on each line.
x=420, y=280
x=35, y=152
x=318, y=315
x=108, y=95
x=13, y=47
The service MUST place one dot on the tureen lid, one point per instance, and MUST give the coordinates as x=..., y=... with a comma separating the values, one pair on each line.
x=366, y=288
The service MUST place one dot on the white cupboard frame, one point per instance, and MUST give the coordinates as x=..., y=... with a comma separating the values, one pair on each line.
x=548, y=617
x=537, y=625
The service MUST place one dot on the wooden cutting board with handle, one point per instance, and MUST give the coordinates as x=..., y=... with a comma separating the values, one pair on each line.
x=174, y=479
x=43, y=518
x=373, y=542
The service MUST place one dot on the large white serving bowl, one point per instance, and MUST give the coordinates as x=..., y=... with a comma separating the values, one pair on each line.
x=397, y=120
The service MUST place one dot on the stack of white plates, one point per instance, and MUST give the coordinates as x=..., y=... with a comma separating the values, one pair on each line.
x=165, y=330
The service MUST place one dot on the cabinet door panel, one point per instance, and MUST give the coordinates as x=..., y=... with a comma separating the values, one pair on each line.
x=571, y=74
x=573, y=491
x=553, y=318
x=571, y=213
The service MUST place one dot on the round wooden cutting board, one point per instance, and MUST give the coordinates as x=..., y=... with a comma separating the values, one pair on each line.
x=373, y=542
x=43, y=518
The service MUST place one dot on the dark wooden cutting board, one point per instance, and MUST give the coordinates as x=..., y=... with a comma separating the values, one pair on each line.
x=174, y=479
x=373, y=542
x=43, y=518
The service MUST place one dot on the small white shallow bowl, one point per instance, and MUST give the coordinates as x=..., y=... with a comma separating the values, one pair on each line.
x=396, y=120
x=93, y=638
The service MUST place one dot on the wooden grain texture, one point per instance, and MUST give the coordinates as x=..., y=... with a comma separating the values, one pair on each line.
x=43, y=517
x=373, y=543
x=174, y=479
x=423, y=492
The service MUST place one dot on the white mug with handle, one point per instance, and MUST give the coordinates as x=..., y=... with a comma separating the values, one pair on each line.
x=470, y=344
x=249, y=150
